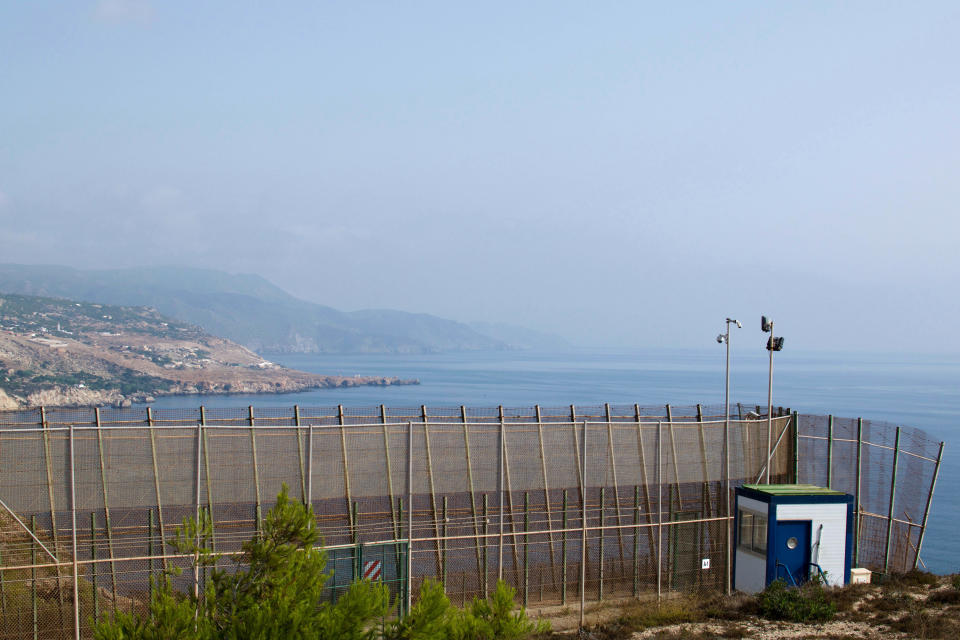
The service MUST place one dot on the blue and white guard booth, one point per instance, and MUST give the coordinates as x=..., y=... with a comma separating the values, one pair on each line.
x=791, y=532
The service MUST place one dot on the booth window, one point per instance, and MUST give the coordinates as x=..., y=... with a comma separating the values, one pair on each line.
x=753, y=532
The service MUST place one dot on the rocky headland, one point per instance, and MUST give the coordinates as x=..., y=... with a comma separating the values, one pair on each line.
x=57, y=352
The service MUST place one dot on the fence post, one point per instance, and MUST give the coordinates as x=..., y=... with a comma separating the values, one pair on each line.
x=196, y=557
x=310, y=465
x=409, y=593
x=355, y=539
x=500, y=466
x=346, y=469
x=394, y=516
x=256, y=470
x=206, y=472
x=149, y=554
x=563, y=554
x=603, y=536
x=659, y=509
x=636, y=540
x=444, y=558
x=303, y=482
x=926, y=511
x=355, y=510
x=893, y=493
x=583, y=523
x=93, y=567
x=3, y=590
x=830, y=452
x=856, y=497
x=526, y=549
x=473, y=497
x=33, y=578
x=673, y=452
x=486, y=531
x=616, y=487
x=156, y=484
x=73, y=532
x=433, y=495
x=45, y=426
x=643, y=474
x=703, y=444
x=546, y=493
x=576, y=444
x=513, y=517
x=728, y=569
x=106, y=508
x=796, y=448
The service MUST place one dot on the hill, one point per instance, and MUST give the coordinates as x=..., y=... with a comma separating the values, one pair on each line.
x=56, y=352
x=249, y=310
x=517, y=337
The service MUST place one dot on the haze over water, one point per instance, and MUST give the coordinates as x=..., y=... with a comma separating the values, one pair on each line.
x=920, y=391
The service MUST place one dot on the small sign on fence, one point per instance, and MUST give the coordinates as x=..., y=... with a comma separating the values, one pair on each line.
x=372, y=570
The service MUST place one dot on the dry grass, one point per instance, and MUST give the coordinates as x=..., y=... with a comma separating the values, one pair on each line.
x=917, y=605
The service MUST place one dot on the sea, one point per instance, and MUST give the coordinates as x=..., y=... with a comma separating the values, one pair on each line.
x=917, y=390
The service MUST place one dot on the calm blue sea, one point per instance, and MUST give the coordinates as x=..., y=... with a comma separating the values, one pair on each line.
x=915, y=390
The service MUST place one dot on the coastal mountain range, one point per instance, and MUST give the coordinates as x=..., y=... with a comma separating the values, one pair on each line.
x=55, y=351
x=261, y=316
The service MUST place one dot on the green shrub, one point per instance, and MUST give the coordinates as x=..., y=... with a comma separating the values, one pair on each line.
x=494, y=618
x=808, y=603
x=278, y=592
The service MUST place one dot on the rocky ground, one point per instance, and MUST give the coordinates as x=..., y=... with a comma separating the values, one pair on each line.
x=916, y=606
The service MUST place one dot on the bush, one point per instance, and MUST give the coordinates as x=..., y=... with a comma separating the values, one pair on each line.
x=807, y=603
x=650, y=614
x=913, y=578
x=433, y=618
x=277, y=592
x=494, y=618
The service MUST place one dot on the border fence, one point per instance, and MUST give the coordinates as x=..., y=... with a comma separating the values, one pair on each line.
x=568, y=505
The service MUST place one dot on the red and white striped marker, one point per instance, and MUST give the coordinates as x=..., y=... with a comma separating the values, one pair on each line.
x=372, y=570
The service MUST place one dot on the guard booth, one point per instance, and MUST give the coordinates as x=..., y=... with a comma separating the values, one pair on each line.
x=791, y=532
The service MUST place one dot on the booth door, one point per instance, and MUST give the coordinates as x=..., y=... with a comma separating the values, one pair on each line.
x=792, y=550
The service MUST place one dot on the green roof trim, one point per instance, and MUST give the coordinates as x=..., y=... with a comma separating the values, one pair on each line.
x=793, y=490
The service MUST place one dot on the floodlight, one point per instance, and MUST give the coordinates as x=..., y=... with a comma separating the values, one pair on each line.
x=765, y=324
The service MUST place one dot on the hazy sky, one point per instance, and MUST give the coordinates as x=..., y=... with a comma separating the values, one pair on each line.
x=618, y=173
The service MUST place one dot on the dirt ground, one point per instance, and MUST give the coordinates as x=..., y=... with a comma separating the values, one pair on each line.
x=916, y=606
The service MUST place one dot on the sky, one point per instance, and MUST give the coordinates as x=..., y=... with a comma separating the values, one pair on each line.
x=621, y=174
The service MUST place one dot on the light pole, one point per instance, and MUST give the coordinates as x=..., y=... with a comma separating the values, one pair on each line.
x=773, y=344
x=725, y=338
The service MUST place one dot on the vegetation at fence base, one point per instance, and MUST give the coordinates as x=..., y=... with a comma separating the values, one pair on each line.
x=806, y=603
x=916, y=605
x=277, y=592
x=434, y=618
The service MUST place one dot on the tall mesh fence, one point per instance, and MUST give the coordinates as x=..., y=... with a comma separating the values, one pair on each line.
x=565, y=504
x=890, y=471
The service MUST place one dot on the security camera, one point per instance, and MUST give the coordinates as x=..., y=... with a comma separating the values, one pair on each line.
x=738, y=324
x=720, y=338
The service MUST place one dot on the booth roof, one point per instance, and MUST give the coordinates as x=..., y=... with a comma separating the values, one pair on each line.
x=793, y=490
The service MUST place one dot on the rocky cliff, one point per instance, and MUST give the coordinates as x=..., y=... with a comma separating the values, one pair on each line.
x=61, y=352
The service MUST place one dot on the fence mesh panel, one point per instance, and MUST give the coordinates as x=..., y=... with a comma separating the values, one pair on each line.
x=606, y=501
